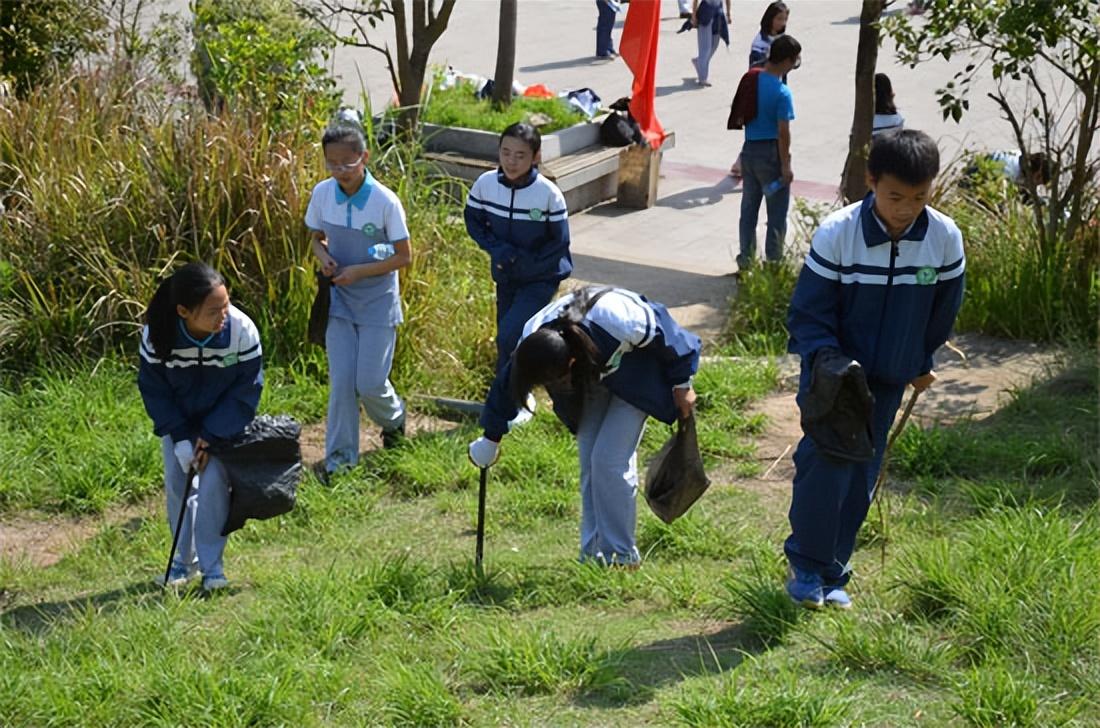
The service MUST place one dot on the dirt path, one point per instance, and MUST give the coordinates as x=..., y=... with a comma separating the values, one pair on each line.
x=974, y=380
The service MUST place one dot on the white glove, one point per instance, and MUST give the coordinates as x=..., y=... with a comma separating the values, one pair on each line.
x=484, y=452
x=184, y=454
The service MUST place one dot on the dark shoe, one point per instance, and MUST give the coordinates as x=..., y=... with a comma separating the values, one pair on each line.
x=393, y=438
x=805, y=588
x=321, y=472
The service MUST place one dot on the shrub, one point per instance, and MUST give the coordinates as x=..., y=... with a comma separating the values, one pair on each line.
x=459, y=106
x=37, y=38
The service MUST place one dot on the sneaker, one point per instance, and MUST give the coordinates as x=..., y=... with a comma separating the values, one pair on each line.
x=805, y=588
x=178, y=575
x=835, y=596
x=394, y=437
x=214, y=583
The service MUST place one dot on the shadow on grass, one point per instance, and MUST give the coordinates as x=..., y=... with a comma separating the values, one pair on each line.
x=39, y=618
x=647, y=668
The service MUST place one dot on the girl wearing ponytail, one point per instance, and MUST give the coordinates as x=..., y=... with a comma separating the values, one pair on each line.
x=608, y=359
x=200, y=377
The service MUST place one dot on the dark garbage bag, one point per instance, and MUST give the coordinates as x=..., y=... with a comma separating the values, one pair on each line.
x=318, y=312
x=675, y=478
x=264, y=466
x=837, y=408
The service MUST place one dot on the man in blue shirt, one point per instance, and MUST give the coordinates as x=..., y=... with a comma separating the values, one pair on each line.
x=766, y=155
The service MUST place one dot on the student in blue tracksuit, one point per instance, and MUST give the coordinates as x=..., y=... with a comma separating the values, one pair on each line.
x=518, y=217
x=200, y=377
x=358, y=233
x=609, y=358
x=882, y=283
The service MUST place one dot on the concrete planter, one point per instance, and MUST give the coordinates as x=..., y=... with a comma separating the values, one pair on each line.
x=479, y=144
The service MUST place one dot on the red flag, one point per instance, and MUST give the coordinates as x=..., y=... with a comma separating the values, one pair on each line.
x=638, y=48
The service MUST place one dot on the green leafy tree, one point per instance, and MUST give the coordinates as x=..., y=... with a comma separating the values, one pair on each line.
x=41, y=36
x=1045, y=59
x=262, y=56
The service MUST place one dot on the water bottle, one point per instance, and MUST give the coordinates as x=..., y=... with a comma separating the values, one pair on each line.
x=774, y=186
x=380, y=251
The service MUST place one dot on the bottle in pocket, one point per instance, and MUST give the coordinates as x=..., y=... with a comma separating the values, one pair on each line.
x=774, y=186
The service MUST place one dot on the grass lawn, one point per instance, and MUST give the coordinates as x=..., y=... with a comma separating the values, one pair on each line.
x=362, y=607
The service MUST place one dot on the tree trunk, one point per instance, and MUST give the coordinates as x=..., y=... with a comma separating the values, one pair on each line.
x=853, y=182
x=506, y=54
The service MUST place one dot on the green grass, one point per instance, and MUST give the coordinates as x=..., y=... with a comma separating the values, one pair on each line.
x=459, y=106
x=363, y=606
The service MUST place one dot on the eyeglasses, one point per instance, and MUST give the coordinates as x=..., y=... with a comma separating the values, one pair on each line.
x=343, y=167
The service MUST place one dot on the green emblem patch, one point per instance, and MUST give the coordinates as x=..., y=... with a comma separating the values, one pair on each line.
x=536, y=215
x=229, y=360
x=369, y=229
x=926, y=276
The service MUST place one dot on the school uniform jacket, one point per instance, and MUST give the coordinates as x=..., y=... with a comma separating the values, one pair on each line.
x=524, y=228
x=644, y=351
x=888, y=305
x=210, y=391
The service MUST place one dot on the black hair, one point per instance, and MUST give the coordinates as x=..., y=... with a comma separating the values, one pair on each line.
x=345, y=130
x=526, y=133
x=884, y=95
x=784, y=48
x=908, y=154
x=187, y=287
x=543, y=356
x=769, y=15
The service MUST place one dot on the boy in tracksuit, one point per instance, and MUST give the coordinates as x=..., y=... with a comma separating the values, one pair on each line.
x=518, y=217
x=882, y=283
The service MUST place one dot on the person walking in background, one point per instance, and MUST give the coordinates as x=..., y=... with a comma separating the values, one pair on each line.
x=881, y=285
x=605, y=21
x=886, y=113
x=712, y=24
x=609, y=359
x=773, y=23
x=519, y=218
x=200, y=376
x=358, y=233
x=766, y=155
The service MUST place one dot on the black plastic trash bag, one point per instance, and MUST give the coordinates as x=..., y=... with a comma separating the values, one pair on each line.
x=837, y=408
x=264, y=466
x=675, y=478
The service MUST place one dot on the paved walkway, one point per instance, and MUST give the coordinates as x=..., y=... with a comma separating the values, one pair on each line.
x=692, y=231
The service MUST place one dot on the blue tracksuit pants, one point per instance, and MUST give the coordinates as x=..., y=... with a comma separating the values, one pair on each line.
x=201, y=541
x=359, y=361
x=516, y=304
x=831, y=498
x=605, y=21
x=607, y=441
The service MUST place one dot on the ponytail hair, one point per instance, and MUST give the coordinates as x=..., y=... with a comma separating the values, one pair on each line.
x=188, y=287
x=545, y=355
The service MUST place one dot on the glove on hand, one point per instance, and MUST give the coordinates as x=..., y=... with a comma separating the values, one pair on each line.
x=184, y=454
x=484, y=452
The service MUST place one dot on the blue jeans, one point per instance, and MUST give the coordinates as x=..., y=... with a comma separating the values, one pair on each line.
x=830, y=498
x=760, y=166
x=604, y=23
